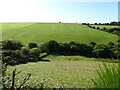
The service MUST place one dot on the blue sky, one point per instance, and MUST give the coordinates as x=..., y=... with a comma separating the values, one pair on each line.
x=69, y=11
x=85, y=11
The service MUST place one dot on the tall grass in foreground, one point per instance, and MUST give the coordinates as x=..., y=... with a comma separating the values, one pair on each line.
x=107, y=76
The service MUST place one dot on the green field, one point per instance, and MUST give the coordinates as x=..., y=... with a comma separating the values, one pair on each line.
x=61, y=32
x=71, y=71
x=68, y=71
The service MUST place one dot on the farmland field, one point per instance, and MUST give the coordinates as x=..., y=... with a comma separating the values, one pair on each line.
x=61, y=32
x=58, y=70
x=70, y=71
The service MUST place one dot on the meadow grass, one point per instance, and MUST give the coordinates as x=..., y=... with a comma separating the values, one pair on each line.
x=61, y=32
x=107, y=76
x=69, y=71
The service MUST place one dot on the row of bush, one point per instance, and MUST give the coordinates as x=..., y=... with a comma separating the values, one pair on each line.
x=14, y=52
x=111, y=23
x=111, y=30
x=110, y=50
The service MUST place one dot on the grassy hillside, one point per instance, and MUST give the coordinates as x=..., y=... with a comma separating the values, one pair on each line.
x=71, y=71
x=40, y=32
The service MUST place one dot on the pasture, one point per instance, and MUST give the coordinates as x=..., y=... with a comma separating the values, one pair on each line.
x=69, y=71
x=58, y=70
x=61, y=32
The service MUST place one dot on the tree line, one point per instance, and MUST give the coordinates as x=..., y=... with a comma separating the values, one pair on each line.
x=111, y=23
x=14, y=52
x=110, y=30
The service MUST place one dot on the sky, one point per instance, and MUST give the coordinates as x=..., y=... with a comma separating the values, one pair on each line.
x=88, y=11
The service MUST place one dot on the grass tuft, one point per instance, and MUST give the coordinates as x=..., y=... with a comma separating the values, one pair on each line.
x=107, y=76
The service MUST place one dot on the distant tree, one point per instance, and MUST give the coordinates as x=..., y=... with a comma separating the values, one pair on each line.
x=95, y=24
x=104, y=28
x=114, y=23
x=98, y=28
x=93, y=27
x=89, y=26
x=84, y=24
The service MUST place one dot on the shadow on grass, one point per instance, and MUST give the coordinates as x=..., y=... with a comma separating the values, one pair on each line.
x=44, y=60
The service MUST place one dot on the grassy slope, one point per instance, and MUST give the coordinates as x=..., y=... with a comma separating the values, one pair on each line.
x=34, y=32
x=71, y=71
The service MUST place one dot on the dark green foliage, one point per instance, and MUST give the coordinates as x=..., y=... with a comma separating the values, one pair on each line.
x=95, y=24
x=11, y=57
x=102, y=51
x=25, y=51
x=104, y=29
x=98, y=28
x=11, y=45
x=35, y=52
x=32, y=45
x=93, y=27
x=111, y=30
x=50, y=46
x=92, y=44
x=111, y=45
x=116, y=51
x=25, y=54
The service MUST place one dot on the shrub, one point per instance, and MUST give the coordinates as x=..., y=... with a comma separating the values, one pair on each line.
x=102, y=51
x=98, y=28
x=50, y=46
x=11, y=57
x=93, y=27
x=104, y=29
x=117, y=54
x=25, y=51
x=35, y=51
x=11, y=45
x=9, y=61
x=92, y=44
x=34, y=54
x=32, y=45
x=85, y=49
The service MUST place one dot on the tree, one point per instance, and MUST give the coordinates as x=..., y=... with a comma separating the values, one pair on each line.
x=25, y=51
x=50, y=46
x=98, y=28
x=104, y=29
x=95, y=24
x=11, y=45
x=102, y=51
x=35, y=53
x=93, y=27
